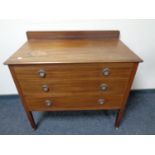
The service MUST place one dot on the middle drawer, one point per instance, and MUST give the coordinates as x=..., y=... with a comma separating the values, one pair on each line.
x=72, y=87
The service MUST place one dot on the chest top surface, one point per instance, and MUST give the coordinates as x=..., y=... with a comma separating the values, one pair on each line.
x=73, y=47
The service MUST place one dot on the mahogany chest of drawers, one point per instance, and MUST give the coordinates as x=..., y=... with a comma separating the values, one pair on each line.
x=73, y=70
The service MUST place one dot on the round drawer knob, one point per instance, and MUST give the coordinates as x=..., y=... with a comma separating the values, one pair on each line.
x=104, y=87
x=106, y=71
x=48, y=103
x=41, y=73
x=101, y=101
x=45, y=88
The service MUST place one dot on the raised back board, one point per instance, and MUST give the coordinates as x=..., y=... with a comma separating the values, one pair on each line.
x=72, y=35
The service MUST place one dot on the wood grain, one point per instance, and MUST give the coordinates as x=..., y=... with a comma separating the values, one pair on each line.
x=26, y=108
x=54, y=35
x=61, y=72
x=72, y=88
x=125, y=97
x=72, y=51
x=75, y=102
x=73, y=63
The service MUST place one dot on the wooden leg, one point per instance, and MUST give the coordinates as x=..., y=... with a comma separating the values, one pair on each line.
x=31, y=119
x=119, y=117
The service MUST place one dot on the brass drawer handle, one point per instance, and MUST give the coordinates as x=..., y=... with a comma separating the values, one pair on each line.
x=48, y=103
x=41, y=73
x=45, y=88
x=106, y=71
x=101, y=101
x=103, y=87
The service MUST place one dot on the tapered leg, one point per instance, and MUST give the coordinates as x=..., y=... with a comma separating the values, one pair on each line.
x=119, y=117
x=31, y=119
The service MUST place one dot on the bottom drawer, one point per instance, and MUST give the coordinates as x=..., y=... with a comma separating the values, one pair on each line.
x=74, y=103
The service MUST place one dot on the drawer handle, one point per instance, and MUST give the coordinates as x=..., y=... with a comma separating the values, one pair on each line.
x=106, y=71
x=48, y=103
x=101, y=101
x=45, y=88
x=41, y=73
x=104, y=87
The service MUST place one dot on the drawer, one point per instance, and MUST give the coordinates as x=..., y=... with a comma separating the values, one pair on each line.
x=57, y=72
x=73, y=87
x=81, y=102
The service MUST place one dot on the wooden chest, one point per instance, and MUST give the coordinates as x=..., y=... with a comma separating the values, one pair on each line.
x=73, y=70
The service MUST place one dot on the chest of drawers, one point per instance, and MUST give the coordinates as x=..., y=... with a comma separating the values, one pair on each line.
x=73, y=70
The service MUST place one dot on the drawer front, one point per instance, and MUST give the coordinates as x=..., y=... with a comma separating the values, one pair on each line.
x=73, y=87
x=74, y=103
x=59, y=72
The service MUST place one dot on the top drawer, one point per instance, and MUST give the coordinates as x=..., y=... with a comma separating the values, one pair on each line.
x=73, y=71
